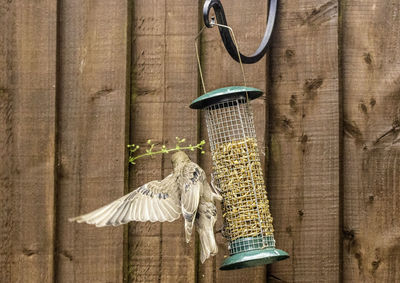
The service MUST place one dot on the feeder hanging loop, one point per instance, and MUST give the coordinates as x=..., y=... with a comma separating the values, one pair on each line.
x=226, y=36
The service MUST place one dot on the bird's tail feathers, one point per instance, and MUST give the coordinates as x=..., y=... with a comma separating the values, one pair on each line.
x=207, y=243
x=188, y=230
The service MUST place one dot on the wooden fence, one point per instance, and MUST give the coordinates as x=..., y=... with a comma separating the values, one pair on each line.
x=81, y=79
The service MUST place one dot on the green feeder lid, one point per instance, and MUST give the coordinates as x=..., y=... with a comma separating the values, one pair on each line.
x=221, y=94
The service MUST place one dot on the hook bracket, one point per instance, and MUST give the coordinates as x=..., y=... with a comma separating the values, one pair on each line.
x=226, y=37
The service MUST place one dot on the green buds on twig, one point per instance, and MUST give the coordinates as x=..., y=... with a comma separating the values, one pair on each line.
x=150, y=151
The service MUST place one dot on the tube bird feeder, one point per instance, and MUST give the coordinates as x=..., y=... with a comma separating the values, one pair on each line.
x=238, y=174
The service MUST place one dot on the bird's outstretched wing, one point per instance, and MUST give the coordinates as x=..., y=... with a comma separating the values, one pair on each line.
x=191, y=186
x=154, y=201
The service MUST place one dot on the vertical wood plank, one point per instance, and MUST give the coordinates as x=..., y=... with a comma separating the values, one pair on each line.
x=248, y=20
x=179, y=258
x=164, y=83
x=304, y=131
x=371, y=84
x=148, y=51
x=91, y=143
x=27, y=139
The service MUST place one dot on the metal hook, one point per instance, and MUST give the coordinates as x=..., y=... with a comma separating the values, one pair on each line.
x=226, y=36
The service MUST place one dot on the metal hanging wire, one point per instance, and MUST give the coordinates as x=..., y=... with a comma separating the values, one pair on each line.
x=213, y=23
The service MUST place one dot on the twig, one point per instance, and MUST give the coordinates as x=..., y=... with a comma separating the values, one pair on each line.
x=149, y=152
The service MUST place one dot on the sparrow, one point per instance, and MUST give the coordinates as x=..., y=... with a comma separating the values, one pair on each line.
x=185, y=191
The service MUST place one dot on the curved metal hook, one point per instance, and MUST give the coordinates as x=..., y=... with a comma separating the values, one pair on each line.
x=226, y=36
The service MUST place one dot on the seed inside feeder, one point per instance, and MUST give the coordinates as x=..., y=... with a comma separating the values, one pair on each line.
x=238, y=173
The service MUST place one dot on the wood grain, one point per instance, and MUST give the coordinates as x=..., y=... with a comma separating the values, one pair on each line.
x=27, y=139
x=332, y=79
x=371, y=72
x=91, y=136
x=247, y=19
x=305, y=138
x=146, y=123
x=164, y=84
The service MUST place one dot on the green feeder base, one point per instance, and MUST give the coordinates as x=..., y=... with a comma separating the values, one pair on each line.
x=253, y=258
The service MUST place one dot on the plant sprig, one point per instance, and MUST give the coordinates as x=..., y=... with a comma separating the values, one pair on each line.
x=163, y=150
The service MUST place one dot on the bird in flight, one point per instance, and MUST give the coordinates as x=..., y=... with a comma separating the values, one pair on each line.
x=185, y=191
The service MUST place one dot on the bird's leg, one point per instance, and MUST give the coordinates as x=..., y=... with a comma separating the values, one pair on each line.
x=216, y=191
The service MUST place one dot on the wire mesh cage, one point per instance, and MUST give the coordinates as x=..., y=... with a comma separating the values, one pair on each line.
x=239, y=176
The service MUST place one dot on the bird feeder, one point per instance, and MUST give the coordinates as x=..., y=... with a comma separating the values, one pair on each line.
x=239, y=176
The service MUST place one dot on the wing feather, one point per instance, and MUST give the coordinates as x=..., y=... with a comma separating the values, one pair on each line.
x=121, y=215
x=127, y=216
x=164, y=210
x=145, y=207
x=154, y=201
x=137, y=213
x=154, y=214
x=98, y=217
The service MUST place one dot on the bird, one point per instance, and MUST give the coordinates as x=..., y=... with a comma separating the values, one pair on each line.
x=185, y=191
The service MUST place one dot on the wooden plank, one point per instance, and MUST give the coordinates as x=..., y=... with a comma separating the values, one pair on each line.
x=92, y=144
x=181, y=87
x=27, y=139
x=146, y=123
x=144, y=238
x=164, y=83
x=371, y=72
x=305, y=135
x=248, y=22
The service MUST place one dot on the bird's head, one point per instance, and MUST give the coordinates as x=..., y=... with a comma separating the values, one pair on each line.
x=179, y=158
